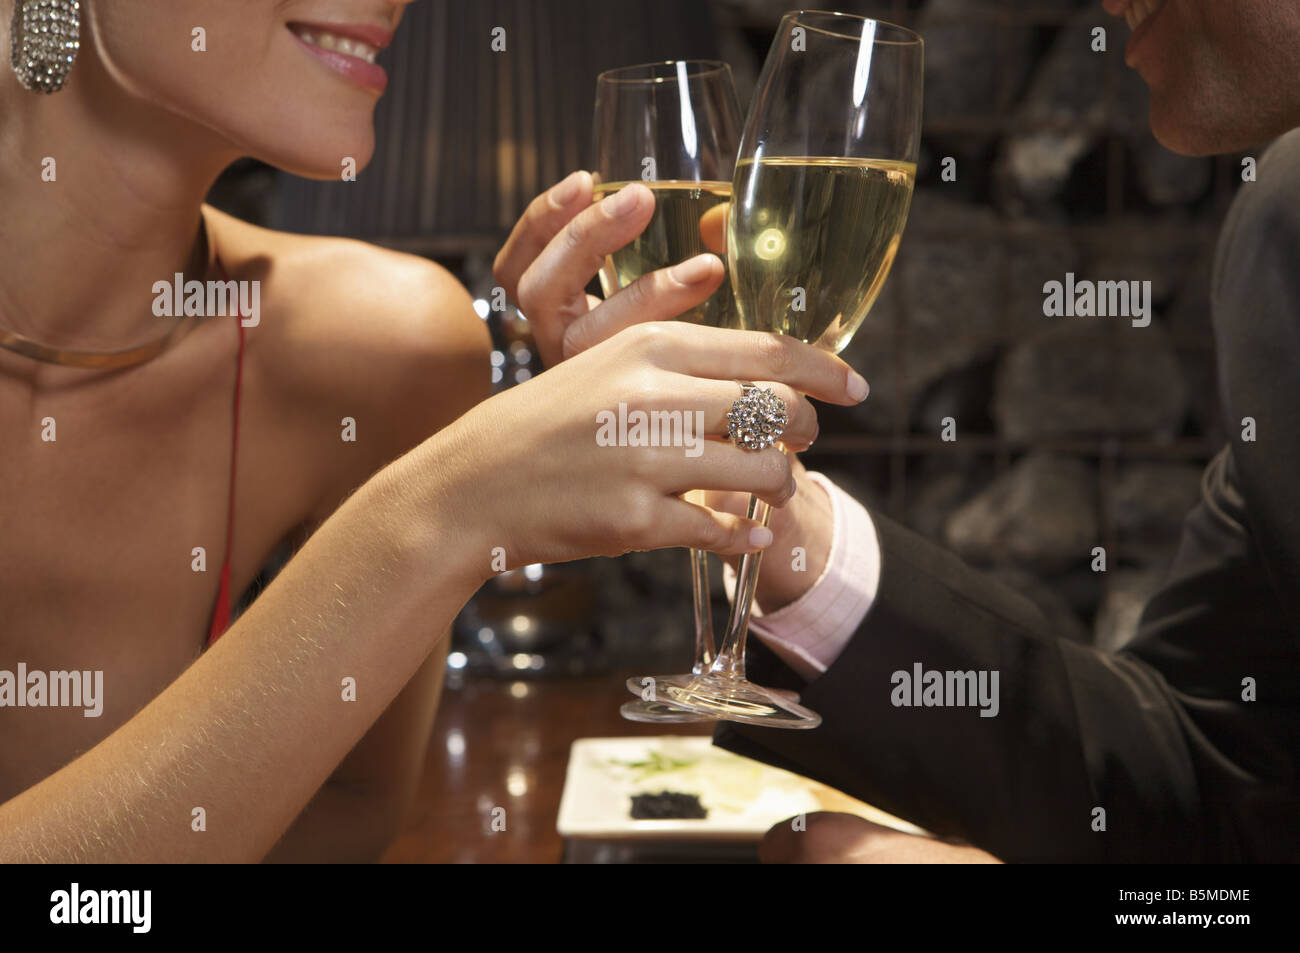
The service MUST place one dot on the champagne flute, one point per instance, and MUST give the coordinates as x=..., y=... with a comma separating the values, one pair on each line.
x=822, y=187
x=674, y=127
x=647, y=707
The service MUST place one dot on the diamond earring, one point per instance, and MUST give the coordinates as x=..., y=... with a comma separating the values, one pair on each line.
x=43, y=42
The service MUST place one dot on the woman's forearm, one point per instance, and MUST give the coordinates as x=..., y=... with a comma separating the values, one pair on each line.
x=250, y=731
x=367, y=801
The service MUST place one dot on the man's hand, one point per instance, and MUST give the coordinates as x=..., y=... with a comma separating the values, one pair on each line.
x=559, y=245
x=830, y=838
x=805, y=522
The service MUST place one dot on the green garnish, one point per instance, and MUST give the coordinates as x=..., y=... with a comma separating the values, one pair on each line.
x=656, y=763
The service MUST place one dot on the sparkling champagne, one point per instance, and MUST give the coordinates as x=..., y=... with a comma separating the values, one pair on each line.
x=811, y=241
x=689, y=219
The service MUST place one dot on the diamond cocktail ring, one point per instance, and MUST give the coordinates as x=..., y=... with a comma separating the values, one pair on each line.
x=757, y=418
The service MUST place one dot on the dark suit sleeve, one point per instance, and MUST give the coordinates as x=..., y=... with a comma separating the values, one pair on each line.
x=1158, y=734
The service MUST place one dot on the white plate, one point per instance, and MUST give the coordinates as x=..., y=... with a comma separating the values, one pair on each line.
x=744, y=797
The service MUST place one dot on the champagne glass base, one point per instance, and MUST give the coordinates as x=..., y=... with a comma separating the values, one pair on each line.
x=637, y=684
x=659, y=712
x=728, y=698
x=655, y=708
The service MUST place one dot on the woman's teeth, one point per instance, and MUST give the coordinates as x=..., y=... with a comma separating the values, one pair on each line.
x=1139, y=10
x=338, y=44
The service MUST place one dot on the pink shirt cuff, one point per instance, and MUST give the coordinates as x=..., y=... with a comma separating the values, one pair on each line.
x=809, y=633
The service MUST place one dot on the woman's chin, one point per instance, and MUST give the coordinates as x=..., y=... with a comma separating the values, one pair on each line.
x=339, y=163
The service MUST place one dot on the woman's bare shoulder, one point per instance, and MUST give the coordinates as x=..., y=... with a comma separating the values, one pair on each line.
x=320, y=293
x=348, y=328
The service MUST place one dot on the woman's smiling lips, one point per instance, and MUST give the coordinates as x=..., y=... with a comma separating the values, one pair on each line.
x=348, y=49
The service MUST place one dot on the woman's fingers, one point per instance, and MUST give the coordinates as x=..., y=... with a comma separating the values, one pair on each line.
x=701, y=528
x=545, y=216
x=659, y=296
x=801, y=424
x=738, y=502
x=750, y=356
x=701, y=464
x=677, y=408
x=678, y=522
x=765, y=473
x=555, y=282
x=801, y=427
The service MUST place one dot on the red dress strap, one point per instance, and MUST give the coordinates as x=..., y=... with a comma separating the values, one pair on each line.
x=221, y=612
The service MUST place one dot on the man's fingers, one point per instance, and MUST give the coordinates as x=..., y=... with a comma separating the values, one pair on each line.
x=713, y=228
x=659, y=296
x=822, y=837
x=557, y=279
x=541, y=221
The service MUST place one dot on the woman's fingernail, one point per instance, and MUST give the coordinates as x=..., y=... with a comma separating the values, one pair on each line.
x=858, y=386
x=693, y=270
x=620, y=203
x=566, y=191
x=760, y=536
x=790, y=494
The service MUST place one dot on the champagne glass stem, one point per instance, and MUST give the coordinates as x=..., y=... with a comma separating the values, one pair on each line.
x=704, y=642
x=731, y=656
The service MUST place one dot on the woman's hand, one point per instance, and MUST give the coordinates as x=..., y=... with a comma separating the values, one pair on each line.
x=559, y=245
x=552, y=254
x=534, y=479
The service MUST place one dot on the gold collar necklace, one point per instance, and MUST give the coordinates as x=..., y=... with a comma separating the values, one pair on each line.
x=64, y=357
x=102, y=359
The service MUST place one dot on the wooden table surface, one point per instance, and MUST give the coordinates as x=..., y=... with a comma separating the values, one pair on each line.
x=501, y=744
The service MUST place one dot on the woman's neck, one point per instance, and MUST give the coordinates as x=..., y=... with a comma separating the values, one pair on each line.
x=101, y=196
